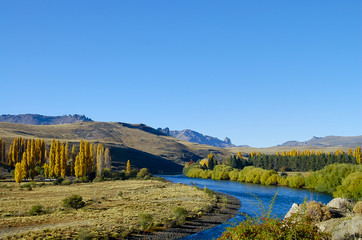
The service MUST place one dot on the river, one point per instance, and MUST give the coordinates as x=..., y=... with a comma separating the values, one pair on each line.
x=244, y=191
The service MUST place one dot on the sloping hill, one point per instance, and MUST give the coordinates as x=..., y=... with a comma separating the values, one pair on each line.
x=143, y=145
x=36, y=119
x=328, y=141
x=196, y=137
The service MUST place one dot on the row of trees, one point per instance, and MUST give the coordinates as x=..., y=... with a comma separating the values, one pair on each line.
x=305, y=161
x=34, y=149
x=341, y=180
x=90, y=159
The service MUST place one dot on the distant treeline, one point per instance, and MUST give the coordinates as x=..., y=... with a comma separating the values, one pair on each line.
x=296, y=161
x=307, y=160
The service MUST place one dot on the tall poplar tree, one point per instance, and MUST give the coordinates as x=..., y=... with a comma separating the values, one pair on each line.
x=107, y=159
x=100, y=159
x=128, y=169
x=18, y=173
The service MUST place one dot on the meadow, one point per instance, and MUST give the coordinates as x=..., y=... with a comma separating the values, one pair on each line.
x=112, y=208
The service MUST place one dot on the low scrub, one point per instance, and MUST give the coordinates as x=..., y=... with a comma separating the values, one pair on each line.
x=180, y=215
x=145, y=220
x=36, y=210
x=75, y=201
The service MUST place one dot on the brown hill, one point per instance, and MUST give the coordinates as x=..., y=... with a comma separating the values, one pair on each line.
x=143, y=145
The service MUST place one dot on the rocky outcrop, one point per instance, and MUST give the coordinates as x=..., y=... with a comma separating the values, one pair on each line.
x=296, y=208
x=343, y=228
x=196, y=137
x=339, y=204
x=344, y=223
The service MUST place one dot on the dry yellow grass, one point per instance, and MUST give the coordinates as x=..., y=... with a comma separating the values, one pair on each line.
x=105, y=210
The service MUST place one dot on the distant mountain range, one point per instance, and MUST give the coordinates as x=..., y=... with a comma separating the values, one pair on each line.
x=328, y=141
x=185, y=135
x=196, y=137
x=36, y=119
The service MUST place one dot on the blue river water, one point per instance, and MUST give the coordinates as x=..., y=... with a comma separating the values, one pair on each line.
x=244, y=192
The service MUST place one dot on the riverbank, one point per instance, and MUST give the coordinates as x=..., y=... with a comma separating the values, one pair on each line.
x=220, y=214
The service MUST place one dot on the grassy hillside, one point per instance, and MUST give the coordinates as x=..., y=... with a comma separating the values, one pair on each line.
x=144, y=146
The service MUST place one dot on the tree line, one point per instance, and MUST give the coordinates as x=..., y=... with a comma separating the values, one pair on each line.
x=304, y=161
x=341, y=180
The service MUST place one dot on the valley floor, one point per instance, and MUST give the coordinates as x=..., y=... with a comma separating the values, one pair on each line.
x=112, y=208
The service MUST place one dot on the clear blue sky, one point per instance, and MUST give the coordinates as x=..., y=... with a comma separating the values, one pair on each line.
x=259, y=72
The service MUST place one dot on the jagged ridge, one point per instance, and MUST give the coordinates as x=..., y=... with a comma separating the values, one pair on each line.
x=196, y=137
x=37, y=119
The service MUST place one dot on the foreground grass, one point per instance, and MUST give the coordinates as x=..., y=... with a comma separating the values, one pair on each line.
x=112, y=209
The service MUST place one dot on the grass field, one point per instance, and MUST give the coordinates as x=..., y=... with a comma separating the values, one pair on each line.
x=112, y=208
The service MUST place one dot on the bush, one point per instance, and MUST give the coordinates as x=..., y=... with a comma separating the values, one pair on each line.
x=143, y=173
x=180, y=215
x=317, y=212
x=145, y=220
x=331, y=176
x=75, y=201
x=351, y=187
x=58, y=181
x=296, y=181
x=358, y=207
x=66, y=182
x=36, y=210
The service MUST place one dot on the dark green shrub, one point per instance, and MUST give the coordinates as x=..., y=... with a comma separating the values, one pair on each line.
x=75, y=201
x=67, y=182
x=36, y=210
x=180, y=215
x=58, y=181
x=145, y=220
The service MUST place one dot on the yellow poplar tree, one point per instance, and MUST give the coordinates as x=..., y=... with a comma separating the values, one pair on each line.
x=100, y=159
x=1, y=150
x=77, y=167
x=57, y=166
x=25, y=166
x=63, y=161
x=46, y=170
x=52, y=159
x=18, y=173
x=128, y=169
x=107, y=159
x=73, y=156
